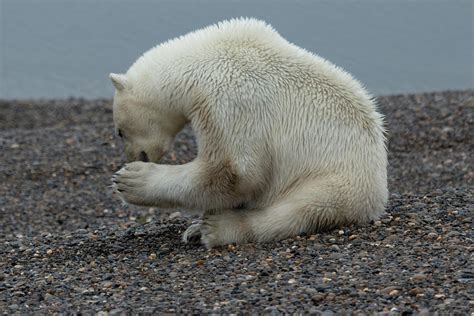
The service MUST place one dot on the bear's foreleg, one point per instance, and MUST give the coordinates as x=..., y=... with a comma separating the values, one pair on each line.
x=195, y=185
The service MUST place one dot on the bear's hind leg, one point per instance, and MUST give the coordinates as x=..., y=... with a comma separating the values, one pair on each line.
x=308, y=209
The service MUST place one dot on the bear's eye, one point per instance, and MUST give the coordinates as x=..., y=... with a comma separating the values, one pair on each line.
x=120, y=134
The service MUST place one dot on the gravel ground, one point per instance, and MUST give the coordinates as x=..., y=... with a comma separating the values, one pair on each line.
x=68, y=245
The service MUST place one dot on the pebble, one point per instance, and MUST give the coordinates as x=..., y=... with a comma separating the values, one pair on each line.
x=415, y=291
x=386, y=220
x=175, y=215
x=316, y=298
x=310, y=290
x=394, y=292
x=419, y=277
x=330, y=297
x=389, y=289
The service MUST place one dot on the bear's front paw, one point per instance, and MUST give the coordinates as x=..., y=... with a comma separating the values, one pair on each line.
x=133, y=183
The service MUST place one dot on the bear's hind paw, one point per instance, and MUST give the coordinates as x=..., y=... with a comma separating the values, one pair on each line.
x=193, y=233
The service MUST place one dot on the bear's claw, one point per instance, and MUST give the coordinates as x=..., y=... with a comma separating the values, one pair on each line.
x=193, y=233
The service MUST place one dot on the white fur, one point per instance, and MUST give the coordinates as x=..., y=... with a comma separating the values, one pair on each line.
x=282, y=131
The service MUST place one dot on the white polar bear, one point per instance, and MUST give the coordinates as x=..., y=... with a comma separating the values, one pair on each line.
x=287, y=142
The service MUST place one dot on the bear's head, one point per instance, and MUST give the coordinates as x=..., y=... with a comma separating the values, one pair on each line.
x=146, y=125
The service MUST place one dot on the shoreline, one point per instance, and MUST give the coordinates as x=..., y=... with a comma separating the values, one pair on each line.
x=73, y=98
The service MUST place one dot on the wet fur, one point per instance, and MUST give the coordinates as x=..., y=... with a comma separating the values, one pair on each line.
x=291, y=137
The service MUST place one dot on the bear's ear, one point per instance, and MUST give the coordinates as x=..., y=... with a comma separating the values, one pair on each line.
x=119, y=81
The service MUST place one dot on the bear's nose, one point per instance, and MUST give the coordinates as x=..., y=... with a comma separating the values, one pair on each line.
x=143, y=156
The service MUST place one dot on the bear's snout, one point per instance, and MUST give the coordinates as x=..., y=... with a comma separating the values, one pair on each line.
x=143, y=156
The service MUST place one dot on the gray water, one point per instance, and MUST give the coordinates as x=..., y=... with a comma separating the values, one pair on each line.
x=63, y=48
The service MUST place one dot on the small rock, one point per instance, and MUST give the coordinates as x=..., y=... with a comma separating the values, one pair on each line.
x=173, y=274
x=330, y=297
x=386, y=220
x=388, y=289
x=419, y=277
x=175, y=215
x=200, y=262
x=314, y=312
x=316, y=298
x=50, y=298
x=310, y=290
x=424, y=312
x=415, y=291
x=419, y=205
x=335, y=248
x=271, y=309
x=394, y=293
x=391, y=237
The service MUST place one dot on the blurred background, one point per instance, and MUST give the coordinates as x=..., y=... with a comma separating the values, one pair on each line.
x=65, y=48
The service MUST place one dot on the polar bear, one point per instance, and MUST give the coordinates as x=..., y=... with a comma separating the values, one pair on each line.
x=288, y=143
